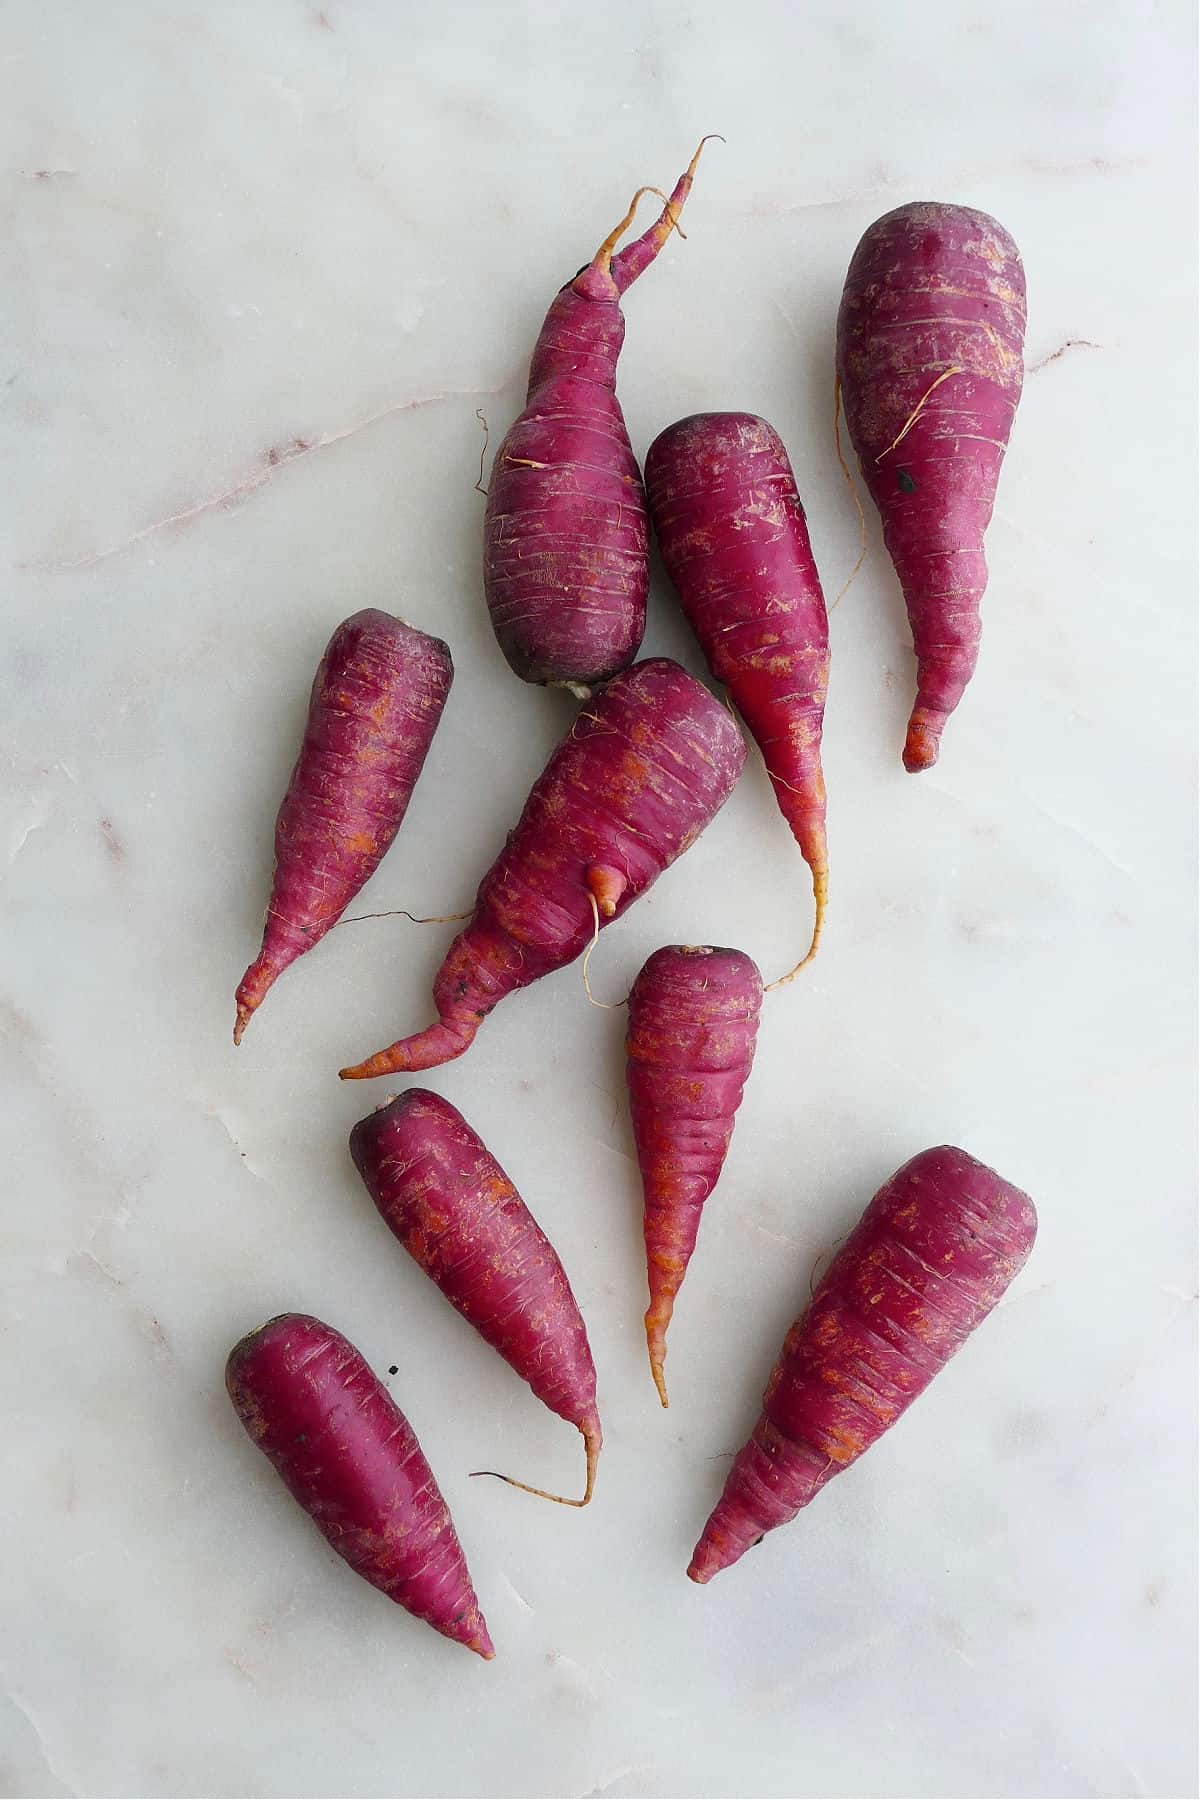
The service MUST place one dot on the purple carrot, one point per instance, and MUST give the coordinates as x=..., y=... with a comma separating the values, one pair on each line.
x=926, y=1263
x=376, y=702
x=639, y=775
x=346, y=1452
x=735, y=543
x=444, y=1195
x=565, y=562
x=929, y=357
x=693, y=1021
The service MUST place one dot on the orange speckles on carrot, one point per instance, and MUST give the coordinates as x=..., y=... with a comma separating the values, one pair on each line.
x=487, y=1256
x=872, y=1339
x=376, y=702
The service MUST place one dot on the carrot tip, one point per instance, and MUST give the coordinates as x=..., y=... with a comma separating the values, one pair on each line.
x=656, y=1344
x=922, y=744
x=240, y=1024
x=656, y=1369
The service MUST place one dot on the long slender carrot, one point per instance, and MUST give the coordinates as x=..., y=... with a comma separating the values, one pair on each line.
x=693, y=1021
x=735, y=543
x=443, y=1194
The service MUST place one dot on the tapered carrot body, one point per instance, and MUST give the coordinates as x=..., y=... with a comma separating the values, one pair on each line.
x=349, y=1456
x=927, y=1262
x=638, y=776
x=735, y=543
x=443, y=1194
x=376, y=702
x=929, y=355
x=565, y=562
x=693, y=1021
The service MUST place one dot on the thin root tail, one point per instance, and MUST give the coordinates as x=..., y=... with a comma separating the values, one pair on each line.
x=820, y=883
x=591, y=1442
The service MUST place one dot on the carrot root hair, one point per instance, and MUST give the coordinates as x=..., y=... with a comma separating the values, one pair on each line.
x=604, y=254
x=820, y=885
x=592, y=1441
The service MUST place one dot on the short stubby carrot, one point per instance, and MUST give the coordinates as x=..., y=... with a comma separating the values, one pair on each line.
x=443, y=1194
x=930, y=337
x=566, y=541
x=644, y=768
x=346, y=1452
x=693, y=1022
x=929, y=1259
x=376, y=702
x=735, y=543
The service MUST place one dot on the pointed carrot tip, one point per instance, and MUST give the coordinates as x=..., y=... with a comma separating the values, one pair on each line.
x=240, y=1024
x=482, y=1645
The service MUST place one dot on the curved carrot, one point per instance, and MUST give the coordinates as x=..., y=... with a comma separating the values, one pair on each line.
x=443, y=1194
x=376, y=702
x=346, y=1452
x=929, y=353
x=925, y=1265
x=693, y=1021
x=639, y=775
x=735, y=543
x=566, y=542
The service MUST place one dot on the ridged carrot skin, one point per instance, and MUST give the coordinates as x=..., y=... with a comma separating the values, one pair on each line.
x=376, y=702
x=644, y=768
x=929, y=1259
x=735, y=544
x=346, y=1452
x=693, y=1022
x=566, y=540
x=443, y=1194
x=930, y=337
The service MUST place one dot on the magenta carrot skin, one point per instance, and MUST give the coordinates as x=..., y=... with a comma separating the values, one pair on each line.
x=929, y=1259
x=376, y=702
x=693, y=1021
x=444, y=1195
x=346, y=1452
x=930, y=338
x=566, y=541
x=735, y=543
x=644, y=768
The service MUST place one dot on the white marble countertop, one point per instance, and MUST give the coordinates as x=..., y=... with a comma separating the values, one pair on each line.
x=261, y=264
